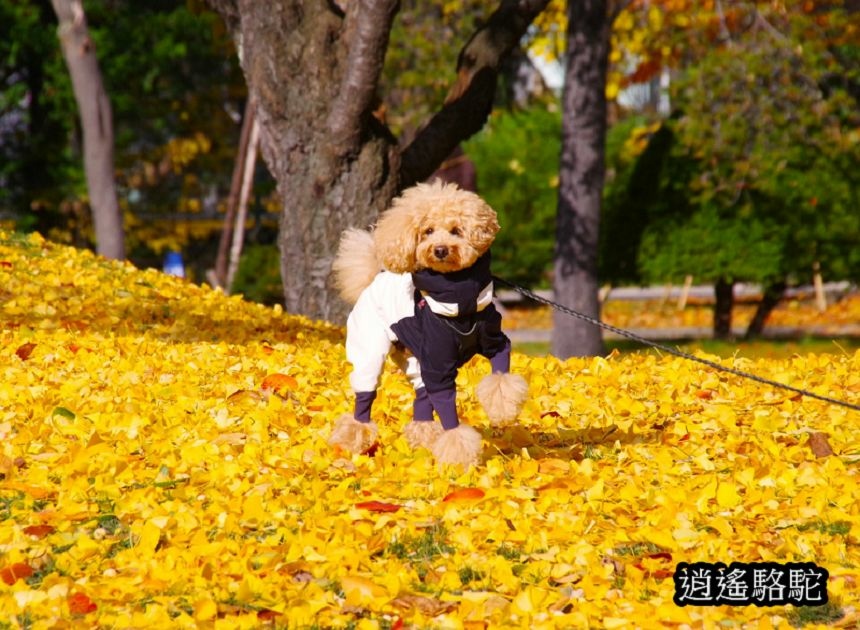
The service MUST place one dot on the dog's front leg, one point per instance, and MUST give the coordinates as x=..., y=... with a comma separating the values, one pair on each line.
x=501, y=393
x=459, y=444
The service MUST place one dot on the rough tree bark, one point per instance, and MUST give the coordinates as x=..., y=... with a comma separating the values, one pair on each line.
x=581, y=175
x=313, y=69
x=96, y=124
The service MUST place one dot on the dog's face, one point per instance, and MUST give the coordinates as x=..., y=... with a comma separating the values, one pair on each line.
x=435, y=226
x=444, y=243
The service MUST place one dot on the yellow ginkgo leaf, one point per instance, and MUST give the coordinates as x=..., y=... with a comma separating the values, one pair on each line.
x=727, y=495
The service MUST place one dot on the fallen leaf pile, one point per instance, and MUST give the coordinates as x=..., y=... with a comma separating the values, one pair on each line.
x=840, y=317
x=163, y=463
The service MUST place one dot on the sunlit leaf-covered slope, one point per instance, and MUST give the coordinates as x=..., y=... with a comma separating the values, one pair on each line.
x=163, y=464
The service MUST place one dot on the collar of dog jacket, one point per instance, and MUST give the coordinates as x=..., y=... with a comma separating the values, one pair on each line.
x=457, y=293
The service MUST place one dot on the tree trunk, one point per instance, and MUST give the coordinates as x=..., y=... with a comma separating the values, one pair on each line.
x=581, y=178
x=772, y=296
x=308, y=72
x=724, y=292
x=313, y=70
x=97, y=126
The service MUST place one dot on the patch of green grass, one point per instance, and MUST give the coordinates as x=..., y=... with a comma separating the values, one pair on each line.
x=754, y=349
x=837, y=528
x=430, y=544
x=638, y=549
x=468, y=575
x=592, y=453
x=804, y=615
x=509, y=552
x=110, y=523
x=646, y=594
x=6, y=504
x=35, y=580
x=126, y=542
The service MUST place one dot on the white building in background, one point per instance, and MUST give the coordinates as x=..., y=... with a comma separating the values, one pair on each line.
x=653, y=94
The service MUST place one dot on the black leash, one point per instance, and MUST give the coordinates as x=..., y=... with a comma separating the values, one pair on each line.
x=673, y=351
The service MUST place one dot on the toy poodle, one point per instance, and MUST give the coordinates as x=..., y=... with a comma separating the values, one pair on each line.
x=421, y=286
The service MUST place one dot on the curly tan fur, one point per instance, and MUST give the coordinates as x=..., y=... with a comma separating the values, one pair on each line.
x=355, y=264
x=502, y=396
x=458, y=447
x=437, y=226
x=352, y=435
x=427, y=217
x=422, y=433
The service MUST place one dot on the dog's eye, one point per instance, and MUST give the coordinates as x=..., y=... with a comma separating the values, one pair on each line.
x=455, y=231
x=428, y=231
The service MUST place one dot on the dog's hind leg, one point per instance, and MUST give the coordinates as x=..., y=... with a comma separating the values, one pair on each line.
x=352, y=435
x=367, y=345
x=501, y=393
x=460, y=446
x=423, y=431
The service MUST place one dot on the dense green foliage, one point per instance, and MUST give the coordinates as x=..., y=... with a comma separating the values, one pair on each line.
x=516, y=157
x=761, y=180
x=36, y=169
x=177, y=96
x=635, y=152
x=258, y=277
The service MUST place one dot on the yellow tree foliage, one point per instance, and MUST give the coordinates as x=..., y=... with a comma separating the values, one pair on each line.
x=649, y=35
x=163, y=464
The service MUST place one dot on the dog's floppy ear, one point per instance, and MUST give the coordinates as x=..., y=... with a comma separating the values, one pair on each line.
x=482, y=224
x=396, y=237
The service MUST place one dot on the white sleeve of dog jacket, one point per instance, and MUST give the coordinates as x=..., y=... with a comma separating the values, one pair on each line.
x=409, y=365
x=485, y=297
x=388, y=299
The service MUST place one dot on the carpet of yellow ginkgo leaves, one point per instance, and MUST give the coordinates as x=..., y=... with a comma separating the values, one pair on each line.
x=163, y=464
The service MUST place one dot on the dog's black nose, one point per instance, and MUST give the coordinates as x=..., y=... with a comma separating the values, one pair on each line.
x=440, y=252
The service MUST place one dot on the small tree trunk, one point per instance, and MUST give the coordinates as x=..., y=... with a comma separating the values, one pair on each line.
x=581, y=179
x=772, y=296
x=219, y=277
x=724, y=292
x=818, y=283
x=242, y=209
x=685, y=292
x=97, y=126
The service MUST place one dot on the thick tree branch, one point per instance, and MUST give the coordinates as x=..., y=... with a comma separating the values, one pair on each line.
x=367, y=46
x=471, y=97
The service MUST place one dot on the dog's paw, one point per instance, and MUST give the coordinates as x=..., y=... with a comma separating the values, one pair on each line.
x=460, y=447
x=422, y=433
x=502, y=396
x=352, y=435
